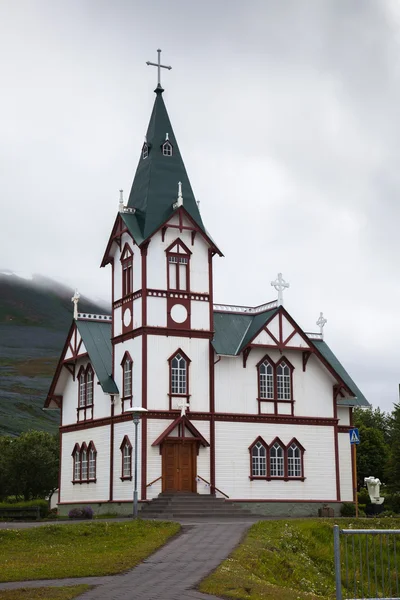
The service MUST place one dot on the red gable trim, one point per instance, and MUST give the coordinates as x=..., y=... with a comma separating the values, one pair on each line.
x=118, y=229
x=50, y=395
x=312, y=349
x=186, y=423
x=181, y=211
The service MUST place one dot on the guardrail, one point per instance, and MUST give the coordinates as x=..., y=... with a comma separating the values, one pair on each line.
x=367, y=563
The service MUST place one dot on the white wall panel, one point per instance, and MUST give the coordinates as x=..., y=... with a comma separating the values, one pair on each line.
x=200, y=315
x=346, y=486
x=160, y=349
x=156, y=311
x=123, y=490
x=343, y=413
x=134, y=347
x=86, y=492
x=233, y=462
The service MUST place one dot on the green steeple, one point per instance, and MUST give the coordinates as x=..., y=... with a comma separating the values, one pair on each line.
x=155, y=186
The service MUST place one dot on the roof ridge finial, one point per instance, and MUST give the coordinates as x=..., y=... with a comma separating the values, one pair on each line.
x=321, y=323
x=179, y=201
x=280, y=284
x=75, y=300
x=121, y=201
x=159, y=89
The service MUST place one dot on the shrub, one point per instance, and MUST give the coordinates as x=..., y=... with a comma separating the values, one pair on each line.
x=363, y=496
x=85, y=512
x=348, y=509
x=42, y=504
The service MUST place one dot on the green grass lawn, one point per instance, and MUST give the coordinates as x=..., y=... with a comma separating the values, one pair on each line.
x=61, y=593
x=87, y=549
x=285, y=560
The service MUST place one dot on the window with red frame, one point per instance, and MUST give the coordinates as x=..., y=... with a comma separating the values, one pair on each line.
x=86, y=387
x=178, y=378
x=127, y=271
x=275, y=381
x=276, y=461
x=178, y=263
x=126, y=455
x=84, y=463
x=127, y=370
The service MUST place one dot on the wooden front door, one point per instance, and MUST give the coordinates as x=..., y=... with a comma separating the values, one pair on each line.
x=179, y=466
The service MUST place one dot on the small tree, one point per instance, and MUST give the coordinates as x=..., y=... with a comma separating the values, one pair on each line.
x=393, y=465
x=5, y=467
x=34, y=462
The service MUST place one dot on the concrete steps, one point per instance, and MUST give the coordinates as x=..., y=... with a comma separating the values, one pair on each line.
x=192, y=506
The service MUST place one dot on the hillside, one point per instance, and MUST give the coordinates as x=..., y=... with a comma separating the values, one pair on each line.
x=35, y=316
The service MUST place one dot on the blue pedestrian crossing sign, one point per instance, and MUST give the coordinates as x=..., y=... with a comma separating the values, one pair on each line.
x=354, y=436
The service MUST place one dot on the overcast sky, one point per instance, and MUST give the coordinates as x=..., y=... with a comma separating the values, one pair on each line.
x=287, y=116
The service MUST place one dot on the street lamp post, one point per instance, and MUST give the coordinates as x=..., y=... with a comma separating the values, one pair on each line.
x=137, y=412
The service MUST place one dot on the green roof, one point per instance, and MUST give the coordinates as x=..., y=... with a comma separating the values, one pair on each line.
x=155, y=185
x=96, y=336
x=233, y=331
x=359, y=399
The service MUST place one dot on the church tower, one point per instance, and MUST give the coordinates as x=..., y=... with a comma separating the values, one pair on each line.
x=162, y=289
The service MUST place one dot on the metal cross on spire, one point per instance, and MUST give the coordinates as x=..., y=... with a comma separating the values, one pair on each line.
x=280, y=284
x=159, y=67
x=75, y=300
x=321, y=324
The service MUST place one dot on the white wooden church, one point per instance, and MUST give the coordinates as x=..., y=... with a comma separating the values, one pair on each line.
x=241, y=402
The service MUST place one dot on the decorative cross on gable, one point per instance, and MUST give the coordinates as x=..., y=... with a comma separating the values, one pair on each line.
x=280, y=284
x=159, y=67
x=75, y=300
x=321, y=324
x=183, y=405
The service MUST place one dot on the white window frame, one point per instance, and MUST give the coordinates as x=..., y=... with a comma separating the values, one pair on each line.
x=266, y=380
x=179, y=375
x=258, y=462
x=276, y=461
x=167, y=148
x=283, y=383
x=294, y=461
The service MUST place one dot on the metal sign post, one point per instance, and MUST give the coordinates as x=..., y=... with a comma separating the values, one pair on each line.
x=354, y=441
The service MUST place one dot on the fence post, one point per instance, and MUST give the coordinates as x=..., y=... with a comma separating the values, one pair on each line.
x=336, y=548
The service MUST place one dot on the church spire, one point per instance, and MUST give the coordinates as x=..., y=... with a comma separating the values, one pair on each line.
x=159, y=172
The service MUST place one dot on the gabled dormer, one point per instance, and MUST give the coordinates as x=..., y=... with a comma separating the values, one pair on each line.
x=167, y=146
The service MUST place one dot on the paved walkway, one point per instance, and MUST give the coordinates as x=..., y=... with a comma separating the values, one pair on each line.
x=171, y=573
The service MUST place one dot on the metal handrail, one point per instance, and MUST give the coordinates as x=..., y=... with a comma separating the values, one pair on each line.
x=215, y=488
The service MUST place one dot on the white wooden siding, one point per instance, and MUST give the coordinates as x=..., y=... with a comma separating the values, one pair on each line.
x=86, y=492
x=346, y=486
x=233, y=462
x=160, y=349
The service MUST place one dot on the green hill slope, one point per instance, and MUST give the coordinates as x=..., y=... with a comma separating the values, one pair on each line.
x=35, y=316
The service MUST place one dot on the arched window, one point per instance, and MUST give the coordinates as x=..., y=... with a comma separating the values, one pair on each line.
x=89, y=386
x=179, y=365
x=259, y=460
x=84, y=464
x=126, y=452
x=92, y=461
x=178, y=375
x=277, y=460
x=127, y=270
x=295, y=459
x=76, y=457
x=284, y=391
x=266, y=380
x=167, y=148
x=178, y=259
x=127, y=369
x=82, y=388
